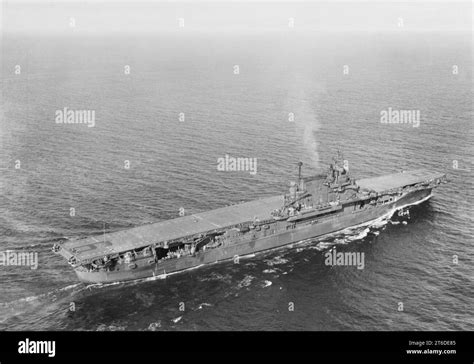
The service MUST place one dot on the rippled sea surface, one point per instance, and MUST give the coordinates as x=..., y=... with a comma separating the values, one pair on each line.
x=173, y=165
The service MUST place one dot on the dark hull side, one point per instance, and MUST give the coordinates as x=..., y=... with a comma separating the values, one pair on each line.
x=330, y=225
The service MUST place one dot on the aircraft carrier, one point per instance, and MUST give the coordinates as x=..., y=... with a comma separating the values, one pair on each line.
x=314, y=206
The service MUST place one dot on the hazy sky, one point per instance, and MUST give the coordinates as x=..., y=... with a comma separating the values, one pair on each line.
x=232, y=15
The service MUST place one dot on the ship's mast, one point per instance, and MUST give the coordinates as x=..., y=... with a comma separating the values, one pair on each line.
x=300, y=164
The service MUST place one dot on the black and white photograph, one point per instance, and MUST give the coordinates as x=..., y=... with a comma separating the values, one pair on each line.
x=217, y=167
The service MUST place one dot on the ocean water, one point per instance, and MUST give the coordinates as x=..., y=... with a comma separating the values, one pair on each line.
x=173, y=165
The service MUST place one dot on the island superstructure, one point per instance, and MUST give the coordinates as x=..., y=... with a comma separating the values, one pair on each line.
x=314, y=206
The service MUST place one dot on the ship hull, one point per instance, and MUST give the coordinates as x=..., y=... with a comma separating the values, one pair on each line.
x=273, y=241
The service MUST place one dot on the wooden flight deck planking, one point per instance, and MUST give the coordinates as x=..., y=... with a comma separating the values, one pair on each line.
x=138, y=237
